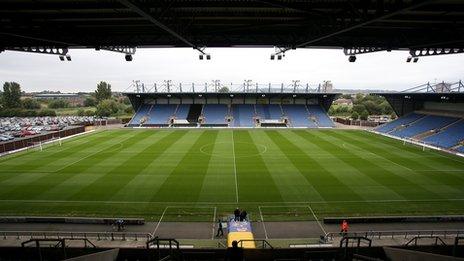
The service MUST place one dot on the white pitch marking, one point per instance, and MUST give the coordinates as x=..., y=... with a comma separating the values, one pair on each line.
x=262, y=222
x=189, y=204
x=159, y=221
x=235, y=168
x=317, y=220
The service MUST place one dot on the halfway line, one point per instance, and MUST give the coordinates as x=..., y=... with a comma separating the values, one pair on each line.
x=235, y=168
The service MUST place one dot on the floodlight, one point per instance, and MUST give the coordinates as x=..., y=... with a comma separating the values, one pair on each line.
x=208, y=57
x=415, y=59
x=128, y=57
x=61, y=58
x=279, y=57
x=408, y=60
x=352, y=59
x=68, y=57
x=272, y=56
x=200, y=56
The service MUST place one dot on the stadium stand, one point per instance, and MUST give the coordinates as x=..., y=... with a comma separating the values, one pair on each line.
x=215, y=114
x=427, y=123
x=407, y=119
x=243, y=115
x=448, y=137
x=320, y=115
x=298, y=115
x=141, y=112
x=182, y=111
x=160, y=114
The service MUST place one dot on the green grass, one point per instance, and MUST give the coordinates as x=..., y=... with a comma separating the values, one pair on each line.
x=193, y=174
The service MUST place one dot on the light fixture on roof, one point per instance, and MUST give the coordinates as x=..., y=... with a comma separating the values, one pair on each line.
x=415, y=59
x=262, y=95
x=68, y=57
x=272, y=56
x=294, y=95
x=408, y=60
x=128, y=57
x=61, y=58
x=352, y=58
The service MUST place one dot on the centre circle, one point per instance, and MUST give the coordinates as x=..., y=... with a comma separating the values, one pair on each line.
x=229, y=150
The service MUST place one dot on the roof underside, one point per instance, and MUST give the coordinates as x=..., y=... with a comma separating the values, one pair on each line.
x=287, y=23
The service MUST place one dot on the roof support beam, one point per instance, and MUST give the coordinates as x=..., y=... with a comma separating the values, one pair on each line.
x=145, y=14
x=359, y=25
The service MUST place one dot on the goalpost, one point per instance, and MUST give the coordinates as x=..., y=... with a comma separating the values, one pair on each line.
x=41, y=145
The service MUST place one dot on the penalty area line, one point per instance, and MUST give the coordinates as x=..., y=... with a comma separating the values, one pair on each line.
x=159, y=221
x=235, y=168
x=262, y=222
x=317, y=220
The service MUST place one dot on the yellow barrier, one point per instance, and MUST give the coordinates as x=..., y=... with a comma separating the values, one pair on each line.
x=237, y=236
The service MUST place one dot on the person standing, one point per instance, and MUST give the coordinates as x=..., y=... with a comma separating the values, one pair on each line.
x=344, y=227
x=237, y=214
x=220, y=231
x=243, y=216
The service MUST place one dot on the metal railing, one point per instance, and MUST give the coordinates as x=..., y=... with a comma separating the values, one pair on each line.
x=110, y=236
x=260, y=243
x=398, y=233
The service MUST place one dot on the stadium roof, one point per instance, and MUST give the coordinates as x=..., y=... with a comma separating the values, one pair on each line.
x=389, y=24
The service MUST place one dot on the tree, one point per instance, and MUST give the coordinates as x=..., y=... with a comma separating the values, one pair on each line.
x=90, y=102
x=58, y=103
x=359, y=108
x=354, y=115
x=30, y=104
x=11, y=97
x=106, y=108
x=364, y=115
x=103, y=91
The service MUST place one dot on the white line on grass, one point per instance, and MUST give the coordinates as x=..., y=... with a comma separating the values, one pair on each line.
x=235, y=168
x=159, y=221
x=189, y=204
x=317, y=220
x=376, y=155
x=262, y=222
x=214, y=221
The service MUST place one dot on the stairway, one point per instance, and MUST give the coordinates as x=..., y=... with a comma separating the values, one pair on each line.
x=194, y=113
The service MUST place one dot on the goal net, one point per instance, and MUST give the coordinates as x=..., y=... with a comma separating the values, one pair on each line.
x=41, y=145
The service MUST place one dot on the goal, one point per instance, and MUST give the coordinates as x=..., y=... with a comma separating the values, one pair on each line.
x=41, y=145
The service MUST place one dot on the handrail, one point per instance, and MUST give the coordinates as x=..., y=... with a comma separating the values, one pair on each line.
x=415, y=239
x=393, y=233
x=104, y=235
x=263, y=241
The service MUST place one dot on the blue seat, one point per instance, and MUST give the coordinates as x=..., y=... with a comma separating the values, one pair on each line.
x=427, y=123
x=448, y=137
x=160, y=114
x=268, y=111
x=182, y=111
x=323, y=119
x=141, y=112
x=243, y=115
x=298, y=115
x=215, y=113
x=405, y=120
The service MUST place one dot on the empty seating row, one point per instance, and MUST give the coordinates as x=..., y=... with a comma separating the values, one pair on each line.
x=140, y=114
x=448, y=137
x=405, y=120
x=298, y=115
x=320, y=115
x=427, y=123
x=160, y=114
x=215, y=114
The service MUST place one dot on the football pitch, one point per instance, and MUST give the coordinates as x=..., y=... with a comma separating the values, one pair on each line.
x=202, y=174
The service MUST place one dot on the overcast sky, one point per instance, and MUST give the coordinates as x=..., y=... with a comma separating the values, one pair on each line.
x=37, y=72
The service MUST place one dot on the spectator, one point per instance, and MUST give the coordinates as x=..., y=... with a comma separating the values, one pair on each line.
x=234, y=253
x=237, y=214
x=243, y=216
x=220, y=232
x=344, y=227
